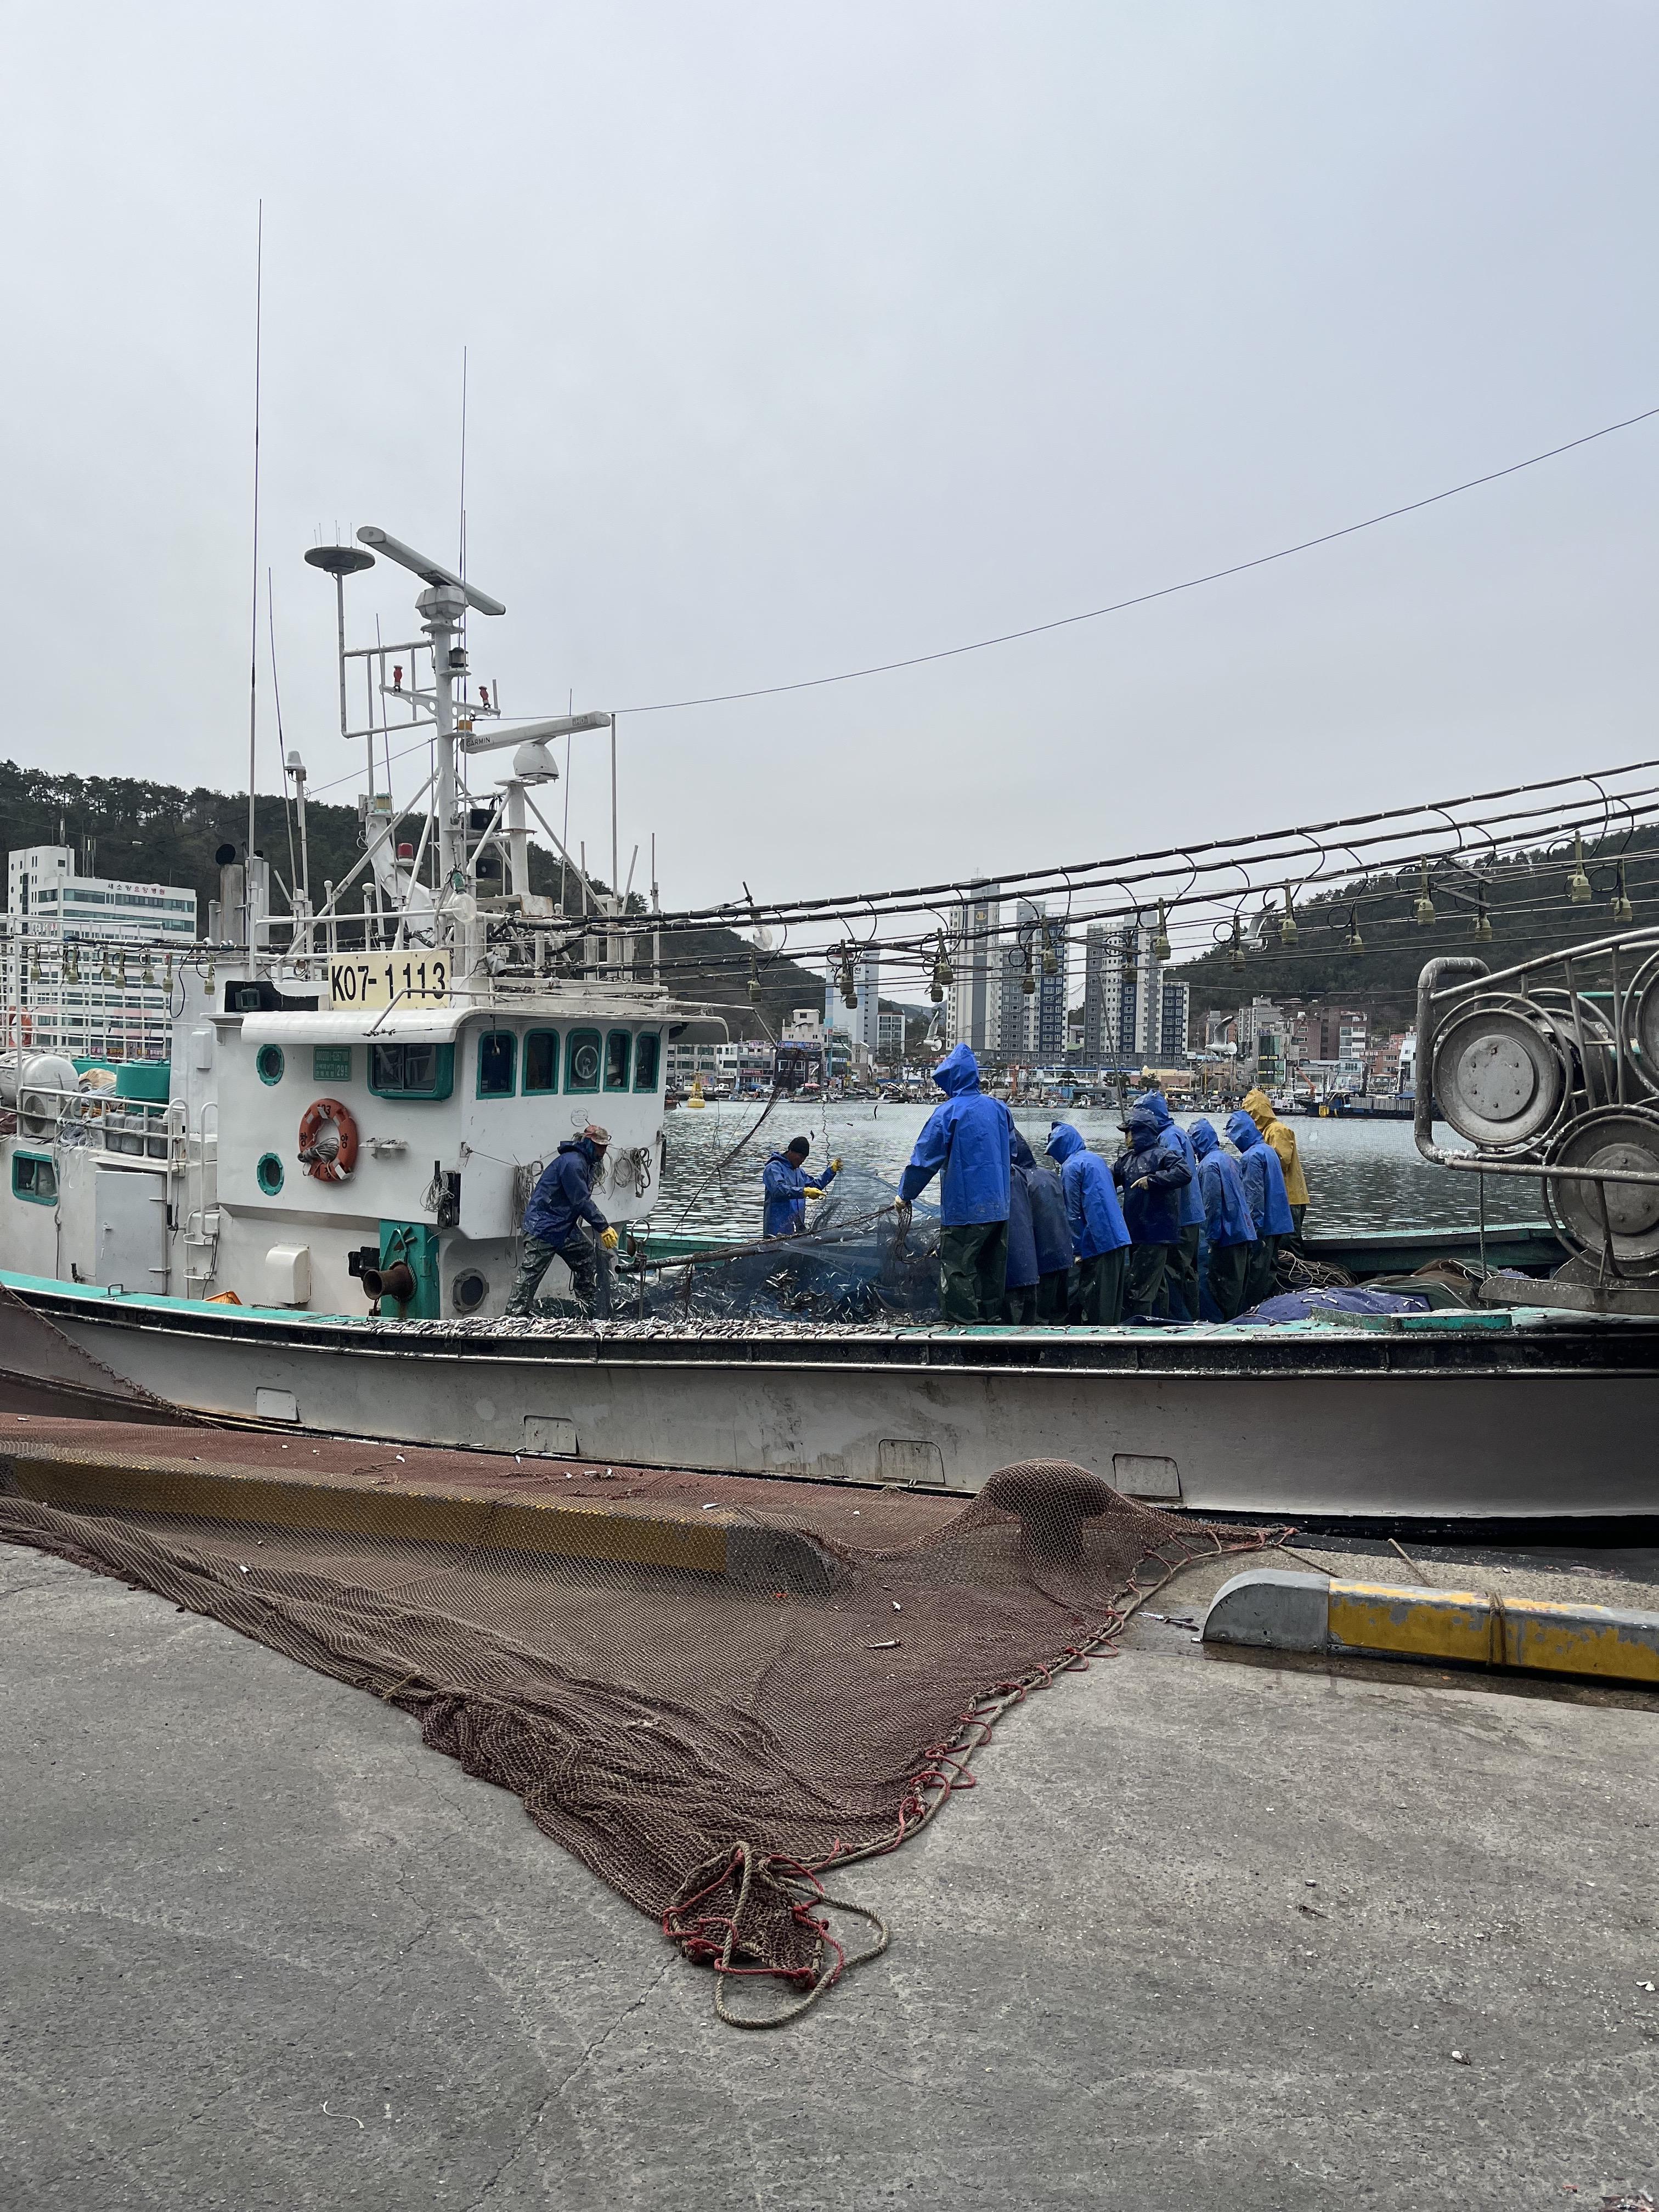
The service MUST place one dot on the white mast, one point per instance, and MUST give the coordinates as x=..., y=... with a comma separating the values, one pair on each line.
x=441, y=607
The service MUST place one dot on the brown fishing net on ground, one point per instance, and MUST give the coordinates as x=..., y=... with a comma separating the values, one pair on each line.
x=712, y=1746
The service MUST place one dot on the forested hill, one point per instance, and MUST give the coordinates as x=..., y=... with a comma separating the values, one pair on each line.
x=1526, y=902
x=146, y=832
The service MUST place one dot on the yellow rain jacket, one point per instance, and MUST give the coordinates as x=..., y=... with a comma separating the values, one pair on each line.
x=1282, y=1138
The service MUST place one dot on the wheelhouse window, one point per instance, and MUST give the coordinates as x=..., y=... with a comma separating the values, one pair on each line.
x=584, y=1057
x=498, y=1053
x=411, y=1071
x=619, y=1056
x=541, y=1062
x=33, y=1176
x=648, y=1051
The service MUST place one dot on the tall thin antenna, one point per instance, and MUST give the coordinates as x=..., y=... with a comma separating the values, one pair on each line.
x=565, y=841
x=460, y=565
x=281, y=751
x=253, y=648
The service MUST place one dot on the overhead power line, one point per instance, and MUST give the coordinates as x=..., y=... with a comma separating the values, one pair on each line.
x=1138, y=598
x=1300, y=848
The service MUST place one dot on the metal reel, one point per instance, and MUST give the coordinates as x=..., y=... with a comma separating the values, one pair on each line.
x=1640, y=1015
x=1593, y=1063
x=1499, y=1072
x=1611, y=1137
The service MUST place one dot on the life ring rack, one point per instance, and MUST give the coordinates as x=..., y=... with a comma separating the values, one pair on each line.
x=337, y=1166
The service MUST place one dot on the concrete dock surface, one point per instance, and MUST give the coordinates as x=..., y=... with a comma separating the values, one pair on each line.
x=1207, y=1932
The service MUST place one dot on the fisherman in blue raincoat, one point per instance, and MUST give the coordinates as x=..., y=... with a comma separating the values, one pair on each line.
x=1099, y=1236
x=1264, y=1187
x=1020, y=1281
x=1152, y=1171
x=1228, y=1230
x=1052, y=1233
x=1039, y=1244
x=1182, y=1276
x=971, y=1138
x=788, y=1183
x=560, y=1204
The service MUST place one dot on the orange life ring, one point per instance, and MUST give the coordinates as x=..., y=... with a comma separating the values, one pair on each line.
x=337, y=1166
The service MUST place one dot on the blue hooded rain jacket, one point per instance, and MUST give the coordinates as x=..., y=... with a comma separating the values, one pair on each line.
x=785, y=1186
x=1049, y=1226
x=1023, y=1268
x=971, y=1137
x=1191, y=1204
x=1227, y=1217
x=1152, y=1173
x=1092, y=1208
x=1262, y=1177
x=561, y=1198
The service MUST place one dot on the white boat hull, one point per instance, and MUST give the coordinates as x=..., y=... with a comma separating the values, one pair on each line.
x=1493, y=1424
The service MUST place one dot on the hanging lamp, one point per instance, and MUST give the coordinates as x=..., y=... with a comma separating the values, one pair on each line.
x=1423, y=912
x=1578, y=884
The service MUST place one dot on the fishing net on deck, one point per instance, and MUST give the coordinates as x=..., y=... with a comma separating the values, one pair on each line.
x=717, y=1723
x=855, y=1262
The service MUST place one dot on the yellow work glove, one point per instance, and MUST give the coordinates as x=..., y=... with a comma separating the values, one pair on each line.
x=609, y=1240
x=812, y=1191
x=834, y=1167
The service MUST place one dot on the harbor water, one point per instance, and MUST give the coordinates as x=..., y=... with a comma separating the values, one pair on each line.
x=1361, y=1174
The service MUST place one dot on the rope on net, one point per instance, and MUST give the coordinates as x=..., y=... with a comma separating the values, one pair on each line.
x=712, y=1939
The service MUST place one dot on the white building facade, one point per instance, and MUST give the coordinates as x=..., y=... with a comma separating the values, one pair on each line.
x=861, y=1023
x=1135, y=1011
x=93, y=960
x=973, y=1004
x=1008, y=994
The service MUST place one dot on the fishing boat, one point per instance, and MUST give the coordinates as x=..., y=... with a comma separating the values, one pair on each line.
x=314, y=1222
x=355, y=1104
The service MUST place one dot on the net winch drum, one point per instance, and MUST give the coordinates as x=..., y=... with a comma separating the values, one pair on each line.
x=1583, y=1030
x=1500, y=1072
x=1641, y=1024
x=1611, y=1137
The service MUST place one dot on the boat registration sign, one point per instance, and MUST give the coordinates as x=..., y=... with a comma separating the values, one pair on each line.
x=389, y=979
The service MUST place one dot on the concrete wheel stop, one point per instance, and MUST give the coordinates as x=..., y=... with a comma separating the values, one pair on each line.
x=1270, y=1608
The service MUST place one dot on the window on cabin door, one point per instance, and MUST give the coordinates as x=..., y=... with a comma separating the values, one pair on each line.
x=541, y=1062
x=498, y=1056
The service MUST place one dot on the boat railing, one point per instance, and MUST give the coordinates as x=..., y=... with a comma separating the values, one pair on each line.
x=136, y=1128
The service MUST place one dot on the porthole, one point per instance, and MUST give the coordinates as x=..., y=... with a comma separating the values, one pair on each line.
x=469, y=1290
x=584, y=1059
x=270, y=1170
x=270, y=1063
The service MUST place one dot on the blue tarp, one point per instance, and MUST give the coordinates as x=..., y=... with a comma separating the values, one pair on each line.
x=1308, y=1305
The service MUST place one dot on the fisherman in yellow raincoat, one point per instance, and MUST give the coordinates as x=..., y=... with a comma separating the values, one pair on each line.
x=1280, y=1135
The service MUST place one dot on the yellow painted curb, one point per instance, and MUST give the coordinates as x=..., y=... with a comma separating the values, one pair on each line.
x=1427, y=1623
x=574, y=1530
x=1272, y=1610
x=1483, y=1628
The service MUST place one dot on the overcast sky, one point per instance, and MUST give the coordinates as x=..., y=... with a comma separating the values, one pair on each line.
x=801, y=339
